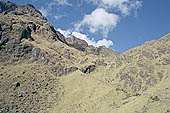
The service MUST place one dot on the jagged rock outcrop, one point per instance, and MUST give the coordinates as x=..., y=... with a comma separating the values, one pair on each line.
x=61, y=37
x=101, y=50
x=82, y=45
x=7, y=6
x=77, y=43
x=15, y=22
x=59, y=70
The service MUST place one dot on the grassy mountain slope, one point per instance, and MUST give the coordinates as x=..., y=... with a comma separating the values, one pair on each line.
x=41, y=71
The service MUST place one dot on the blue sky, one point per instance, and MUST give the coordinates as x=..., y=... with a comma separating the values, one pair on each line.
x=117, y=24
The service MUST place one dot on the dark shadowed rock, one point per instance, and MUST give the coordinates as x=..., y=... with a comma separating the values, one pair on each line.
x=6, y=6
x=155, y=98
x=27, y=9
x=27, y=49
x=88, y=69
x=16, y=85
x=0, y=31
x=3, y=41
x=26, y=33
x=61, y=37
x=77, y=43
x=0, y=28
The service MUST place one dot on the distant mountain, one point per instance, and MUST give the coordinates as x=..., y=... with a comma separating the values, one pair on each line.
x=41, y=71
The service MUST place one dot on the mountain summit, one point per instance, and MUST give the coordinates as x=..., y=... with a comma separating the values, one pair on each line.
x=41, y=71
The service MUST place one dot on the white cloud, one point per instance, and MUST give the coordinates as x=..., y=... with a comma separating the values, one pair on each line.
x=102, y=42
x=124, y=6
x=49, y=7
x=66, y=33
x=57, y=17
x=47, y=12
x=99, y=19
x=61, y=2
x=44, y=11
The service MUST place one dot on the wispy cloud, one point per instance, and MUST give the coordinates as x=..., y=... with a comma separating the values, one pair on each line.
x=124, y=6
x=60, y=2
x=105, y=17
x=57, y=17
x=45, y=12
x=98, y=20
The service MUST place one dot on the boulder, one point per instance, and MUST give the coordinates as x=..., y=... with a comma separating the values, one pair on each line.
x=36, y=54
x=88, y=69
x=27, y=49
x=16, y=85
x=166, y=61
x=26, y=33
x=39, y=56
x=155, y=98
x=147, y=54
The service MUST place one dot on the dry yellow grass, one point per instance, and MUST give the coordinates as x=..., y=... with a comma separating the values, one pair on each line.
x=136, y=81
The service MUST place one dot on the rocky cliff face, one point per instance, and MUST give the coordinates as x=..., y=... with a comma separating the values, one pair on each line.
x=82, y=45
x=42, y=71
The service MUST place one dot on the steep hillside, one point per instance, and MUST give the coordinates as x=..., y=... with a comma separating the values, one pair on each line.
x=41, y=71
